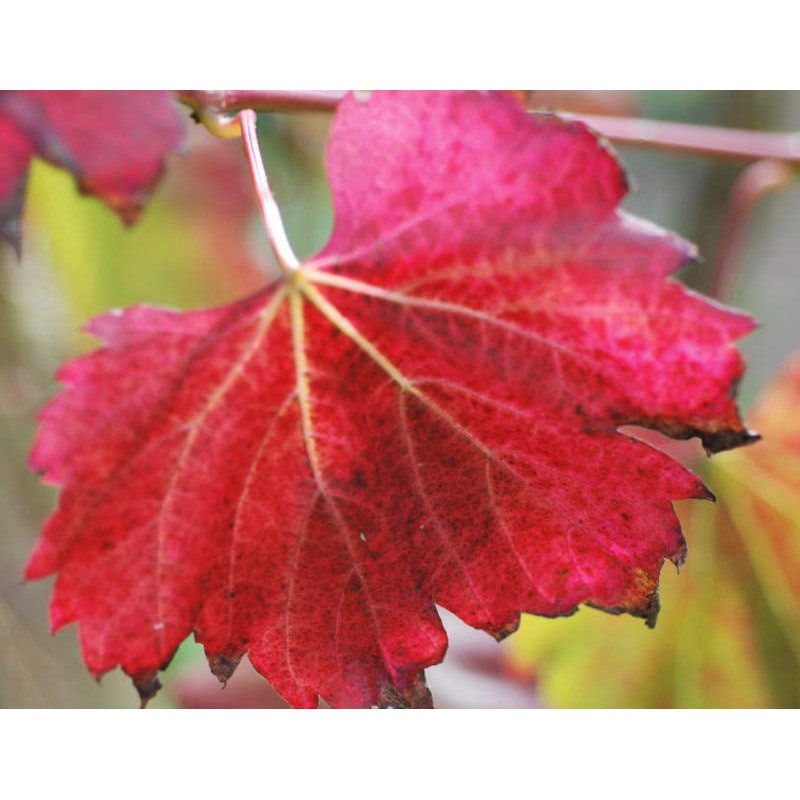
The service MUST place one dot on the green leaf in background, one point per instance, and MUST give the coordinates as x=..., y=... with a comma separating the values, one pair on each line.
x=98, y=263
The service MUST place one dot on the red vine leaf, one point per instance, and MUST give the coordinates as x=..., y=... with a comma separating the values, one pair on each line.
x=114, y=143
x=426, y=412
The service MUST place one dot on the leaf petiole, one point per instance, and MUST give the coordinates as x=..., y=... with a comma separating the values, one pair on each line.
x=276, y=233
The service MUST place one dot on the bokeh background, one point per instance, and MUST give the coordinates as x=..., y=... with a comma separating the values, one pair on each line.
x=729, y=631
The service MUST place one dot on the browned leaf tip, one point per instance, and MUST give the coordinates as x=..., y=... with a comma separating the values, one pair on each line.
x=223, y=667
x=147, y=685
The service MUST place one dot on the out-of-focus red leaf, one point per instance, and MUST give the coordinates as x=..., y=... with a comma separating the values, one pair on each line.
x=15, y=156
x=426, y=412
x=213, y=190
x=115, y=144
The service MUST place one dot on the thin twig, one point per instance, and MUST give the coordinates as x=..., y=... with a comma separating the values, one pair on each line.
x=268, y=100
x=753, y=183
x=284, y=255
x=705, y=140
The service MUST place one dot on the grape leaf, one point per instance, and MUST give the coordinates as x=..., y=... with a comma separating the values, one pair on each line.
x=114, y=143
x=729, y=637
x=425, y=412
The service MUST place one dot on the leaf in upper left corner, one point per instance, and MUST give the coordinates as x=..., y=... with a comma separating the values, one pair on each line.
x=114, y=143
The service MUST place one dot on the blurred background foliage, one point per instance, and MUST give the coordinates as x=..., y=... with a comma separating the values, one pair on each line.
x=729, y=631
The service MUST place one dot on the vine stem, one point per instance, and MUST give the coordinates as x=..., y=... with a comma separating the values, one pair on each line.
x=276, y=233
x=744, y=145
x=755, y=181
x=269, y=100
